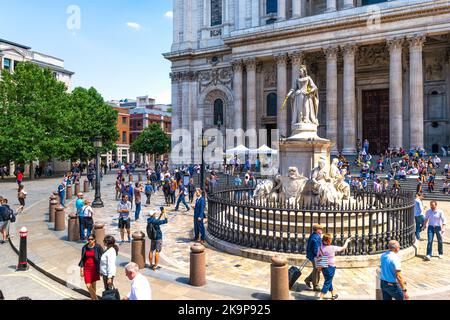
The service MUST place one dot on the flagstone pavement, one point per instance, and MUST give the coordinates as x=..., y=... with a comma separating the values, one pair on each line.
x=229, y=277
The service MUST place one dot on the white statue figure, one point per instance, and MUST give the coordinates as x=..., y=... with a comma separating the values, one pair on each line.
x=294, y=185
x=306, y=99
x=322, y=185
x=263, y=190
x=342, y=187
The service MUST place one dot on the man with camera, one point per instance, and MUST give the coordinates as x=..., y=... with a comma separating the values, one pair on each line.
x=155, y=234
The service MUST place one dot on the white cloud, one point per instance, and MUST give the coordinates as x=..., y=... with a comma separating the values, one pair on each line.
x=164, y=97
x=169, y=14
x=134, y=25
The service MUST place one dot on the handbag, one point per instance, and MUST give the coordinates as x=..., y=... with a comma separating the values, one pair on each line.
x=322, y=260
x=111, y=294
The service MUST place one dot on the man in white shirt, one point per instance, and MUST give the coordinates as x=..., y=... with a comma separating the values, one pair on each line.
x=140, y=288
x=435, y=219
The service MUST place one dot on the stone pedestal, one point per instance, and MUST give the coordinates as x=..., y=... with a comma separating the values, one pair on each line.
x=303, y=150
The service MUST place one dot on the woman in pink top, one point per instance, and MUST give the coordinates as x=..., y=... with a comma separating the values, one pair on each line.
x=330, y=251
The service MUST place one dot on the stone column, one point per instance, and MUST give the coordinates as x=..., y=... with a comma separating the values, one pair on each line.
x=255, y=13
x=348, y=4
x=251, y=93
x=296, y=8
x=395, y=93
x=281, y=9
x=281, y=61
x=242, y=13
x=331, y=6
x=237, y=88
x=349, y=100
x=297, y=60
x=332, y=97
x=416, y=91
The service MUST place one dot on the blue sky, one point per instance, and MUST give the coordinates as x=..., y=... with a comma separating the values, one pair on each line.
x=116, y=50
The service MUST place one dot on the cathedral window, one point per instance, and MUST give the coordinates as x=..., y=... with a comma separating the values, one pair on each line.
x=271, y=6
x=272, y=105
x=216, y=13
x=218, y=112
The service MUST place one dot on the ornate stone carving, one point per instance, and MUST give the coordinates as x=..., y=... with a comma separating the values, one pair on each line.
x=216, y=33
x=250, y=63
x=434, y=66
x=297, y=58
x=331, y=52
x=349, y=49
x=238, y=65
x=281, y=59
x=416, y=41
x=184, y=76
x=270, y=77
x=395, y=44
x=372, y=55
x=223, y=76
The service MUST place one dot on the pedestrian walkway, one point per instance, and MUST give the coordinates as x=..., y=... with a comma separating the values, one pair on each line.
x=229, y=277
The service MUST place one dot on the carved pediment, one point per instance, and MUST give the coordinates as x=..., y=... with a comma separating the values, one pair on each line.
x=373, y=56
x=214, y=77
x=270, y=77
x=434, y=65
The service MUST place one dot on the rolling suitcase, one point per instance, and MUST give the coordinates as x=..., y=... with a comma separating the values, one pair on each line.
x=295, y=273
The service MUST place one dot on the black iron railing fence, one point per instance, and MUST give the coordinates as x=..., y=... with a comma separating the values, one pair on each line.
x=373, y=220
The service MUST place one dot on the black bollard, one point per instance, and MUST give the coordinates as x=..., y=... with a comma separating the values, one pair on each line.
x=23, y=262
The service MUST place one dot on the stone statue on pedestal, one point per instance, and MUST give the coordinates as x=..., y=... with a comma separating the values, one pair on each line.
x=306, y=100
x=342, y=187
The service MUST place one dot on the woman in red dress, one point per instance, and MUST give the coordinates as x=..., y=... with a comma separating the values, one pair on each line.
x=90, y=265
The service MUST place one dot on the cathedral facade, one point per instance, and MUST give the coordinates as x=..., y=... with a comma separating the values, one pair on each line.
x=382, y=68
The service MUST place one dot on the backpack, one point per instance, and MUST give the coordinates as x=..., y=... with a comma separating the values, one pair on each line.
x=151, y=231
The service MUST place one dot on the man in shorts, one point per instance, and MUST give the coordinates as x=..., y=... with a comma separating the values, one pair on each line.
x=156, y=243
x=124, y=210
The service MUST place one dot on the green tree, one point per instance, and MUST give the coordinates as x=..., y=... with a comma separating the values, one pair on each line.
x=153, y=140
x=32, y=103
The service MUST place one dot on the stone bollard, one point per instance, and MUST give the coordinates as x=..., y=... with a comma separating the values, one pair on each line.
x=197, y=275
x=378, y=293
x=69, y=192
x=77, y=188
x=130, y=177
x=99, y=233
x=279, y=279
x=140, y=177
x=73, y=228
x=52, y=198
x=86, y=186
x=56, y=194
x=138, y=249
x=52, y=213
x=60, y=223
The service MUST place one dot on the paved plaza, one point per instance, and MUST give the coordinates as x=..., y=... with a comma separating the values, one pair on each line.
x=229, y=277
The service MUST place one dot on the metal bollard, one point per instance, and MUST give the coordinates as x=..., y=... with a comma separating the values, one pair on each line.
x=99, y=233
x=51, y=216
x=23, y=261
x=378, y=293
x=138, y=249
x=77, y=188
x=86, y=186
x=279, y=279
x=73, y=228
x=69, y=192
x=60, y=223
x=197, y=274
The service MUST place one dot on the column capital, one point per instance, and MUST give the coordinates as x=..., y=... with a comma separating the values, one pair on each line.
x=297, y=57
x=281, y=59
x=250, y=63
x=395, y=44
x=349, y=49
x=416, y=41
x=331, y=52
x=237, y=65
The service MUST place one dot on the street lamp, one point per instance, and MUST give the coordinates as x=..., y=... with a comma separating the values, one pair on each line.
x=219, y=127
x=98, y=203
x=204, y=143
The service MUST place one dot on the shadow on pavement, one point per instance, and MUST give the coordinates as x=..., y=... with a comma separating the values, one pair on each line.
x=182, y=280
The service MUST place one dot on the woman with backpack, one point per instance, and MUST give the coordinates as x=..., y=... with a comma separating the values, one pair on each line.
x=21, y=196
x=91, y=255
x=108, y=262
x=325, y=262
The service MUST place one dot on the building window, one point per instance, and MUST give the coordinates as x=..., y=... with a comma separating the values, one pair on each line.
x=368, y=2
x=271, y=6
x=216, y=13
x=7, y=64
x=16, y=63
x=124, y=120
x=272, y=105
x=218, y=112
x=124, y=137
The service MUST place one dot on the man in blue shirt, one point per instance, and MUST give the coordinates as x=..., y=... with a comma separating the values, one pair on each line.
x=392, y=284
x=62, y=193
x=418, y=214
x=312, y=248
x=131, y=194
x=199, y=216
x=79, y=204
x=182, y=198
x=156, y=243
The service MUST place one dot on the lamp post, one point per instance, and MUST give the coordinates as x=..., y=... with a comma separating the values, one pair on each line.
x=204, y=143
x=98, y=203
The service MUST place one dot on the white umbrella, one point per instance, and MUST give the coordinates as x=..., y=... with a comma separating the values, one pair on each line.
x=264, y=149
x=238, y=150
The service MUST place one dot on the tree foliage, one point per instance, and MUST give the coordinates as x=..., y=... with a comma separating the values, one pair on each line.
x=153, y=140
x=40, y=120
